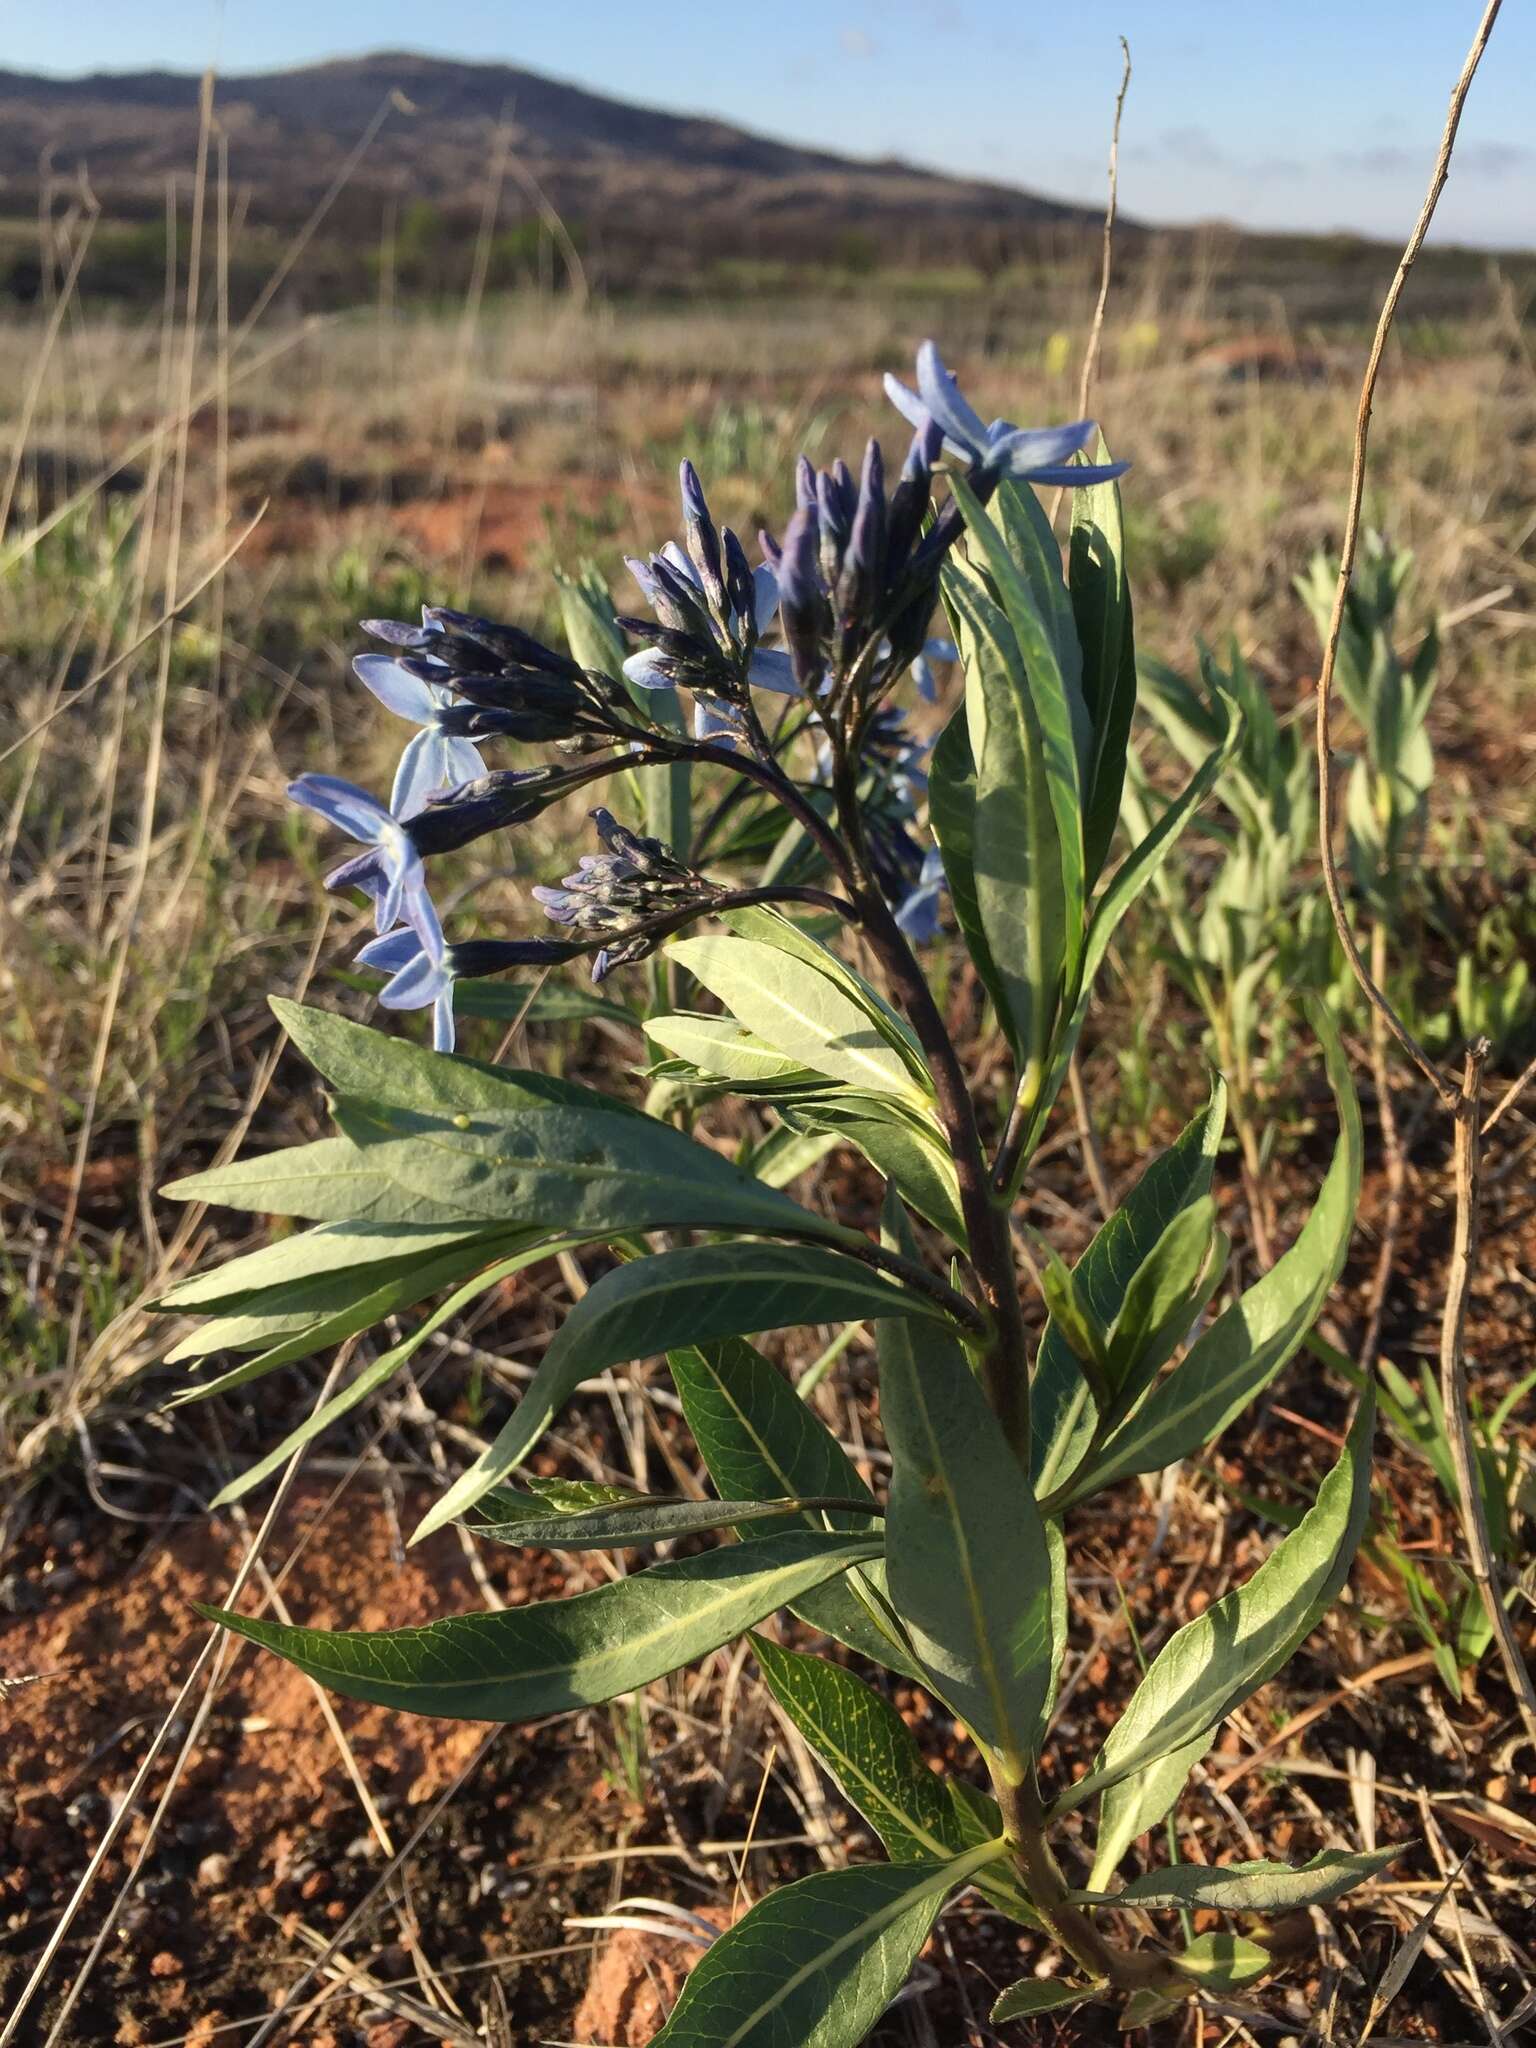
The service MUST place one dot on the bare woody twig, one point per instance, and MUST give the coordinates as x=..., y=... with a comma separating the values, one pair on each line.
x=1444, y=1089
x=1463, y=1101
x=1453, y=1383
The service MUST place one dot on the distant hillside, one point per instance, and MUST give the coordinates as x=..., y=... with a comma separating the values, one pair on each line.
x=644, y=189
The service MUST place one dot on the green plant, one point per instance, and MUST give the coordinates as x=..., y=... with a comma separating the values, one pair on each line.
x=448, y=1173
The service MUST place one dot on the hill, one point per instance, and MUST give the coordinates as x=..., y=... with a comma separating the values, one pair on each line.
x=643, y=188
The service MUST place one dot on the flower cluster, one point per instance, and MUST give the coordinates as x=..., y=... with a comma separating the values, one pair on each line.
x=634, y=881
x=711, y=612
x=852, y=592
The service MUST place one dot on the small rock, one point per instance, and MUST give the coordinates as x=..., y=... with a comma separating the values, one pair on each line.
x=165, y=1964
x=213, y=1872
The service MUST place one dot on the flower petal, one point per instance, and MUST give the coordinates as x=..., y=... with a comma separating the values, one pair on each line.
x=418, y=983
x=645, y=670
x=772, y=669
x=428, y=767
x=444, y=1031
x=390, y=953
x=342, y=803
x=941, y=396
x=1071, y=475
x=1019, y=451
x=765, y=595
x=396, y=688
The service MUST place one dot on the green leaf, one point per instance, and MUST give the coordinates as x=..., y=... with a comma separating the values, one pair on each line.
x=1166, y=1295
x=1145, y=2006
x=1138, y=868
x=769, y=927
x=1212, y=1664
x=1101, y=606
x=524, y=1519
x=1016, y=862
x=1060, y=1404
x=1238, y=1356
x=1035, y=601
x=383, y=1368
x=1257, y=1887
x=966, y=1555
x=334, y=1248
x=799, y=1011
x=580, y=1170
x=329, y=1181
x=702, y=1293
x=719, y=1046
x=360, y=1296
x=869, y=1751
x=547, y=1658
x=760, y=1441
x=1032, y=1996
x=815, y=1964
x=402, y=1291
x=952, y=815
x=1136, y=1804
x=1223, y=1962
x=904, y=1148
x=369, y=1064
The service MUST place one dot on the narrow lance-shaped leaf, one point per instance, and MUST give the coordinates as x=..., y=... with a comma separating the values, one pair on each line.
x=386, y=1366
x=1250, y=1887
x=1247, y=1345
x=527, y=1521
x=702, y=1293
x=874, y=1760
x=1032, y=1997
x=369, y=1064
x=815, y=1964
x=253, y=1280
x=760, y=1441
x=1101, y=605
x=1133, y=874
x=1212, y=1664
x=580, y=1170
x=1015, y=852
x=1047, y=641
x=1062, y=1410
x=966, y=1555
x=766, y=926
x=329, y=1181
x=870, y=1752
x=952, y=815
x=799, y=1011
x=558, y=1654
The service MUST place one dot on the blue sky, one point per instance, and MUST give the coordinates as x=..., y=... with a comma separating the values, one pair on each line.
x=1302, y=115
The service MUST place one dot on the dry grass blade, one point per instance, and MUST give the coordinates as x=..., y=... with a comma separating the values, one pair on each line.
x=1408, y=1953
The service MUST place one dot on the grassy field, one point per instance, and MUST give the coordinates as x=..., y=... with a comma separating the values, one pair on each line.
x=195, y=518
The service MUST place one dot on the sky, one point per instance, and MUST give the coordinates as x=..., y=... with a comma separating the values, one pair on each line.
x=1303, y=115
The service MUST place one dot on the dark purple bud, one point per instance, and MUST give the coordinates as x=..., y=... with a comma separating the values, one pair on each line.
x=924, y=451
x=702, y=541
x=739, y=588
x=773, y=554
x=695, y=505
x=847, y=489
x=866, y=541
x=805, y=484
x=833, y=526
x=467, y=635
x=910, y=499
x=486, y=804
x=802, y=601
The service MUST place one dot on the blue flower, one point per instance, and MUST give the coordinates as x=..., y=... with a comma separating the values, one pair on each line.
x=1035, y=455
x=435, y=759
x=415, y=980
x=922, y=669
x=392, y=872
x=918, y=913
